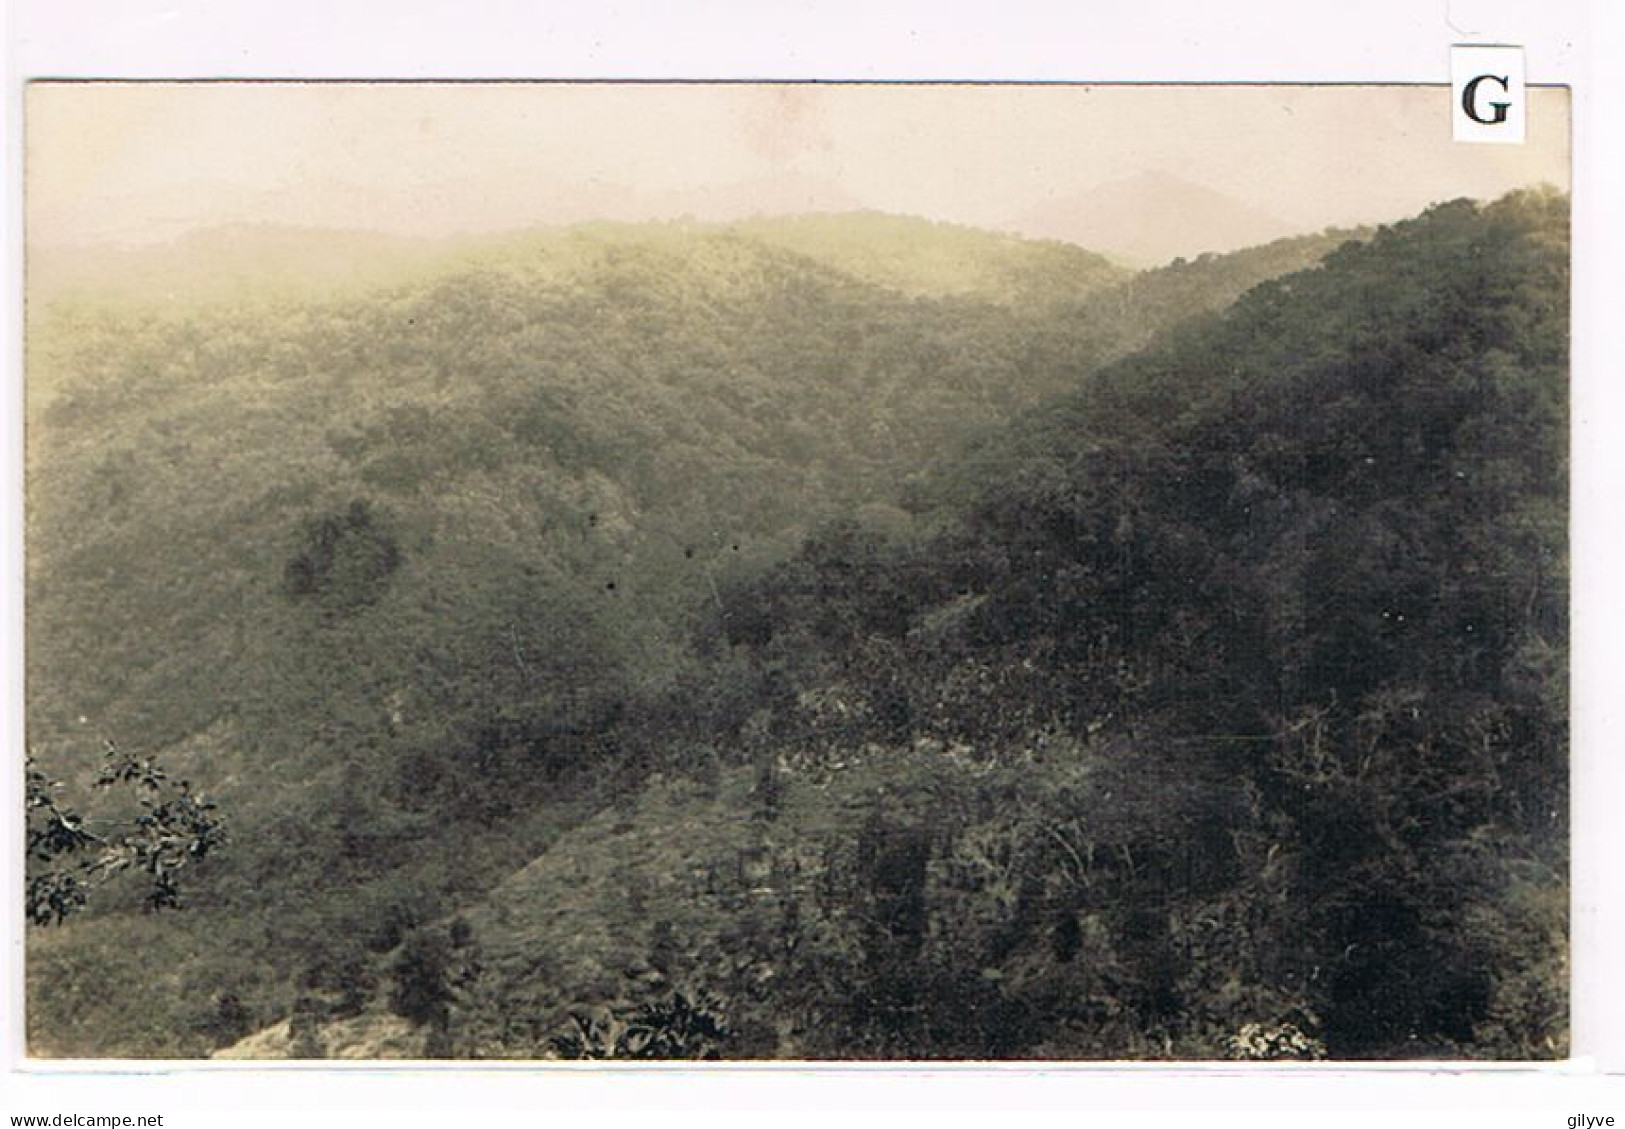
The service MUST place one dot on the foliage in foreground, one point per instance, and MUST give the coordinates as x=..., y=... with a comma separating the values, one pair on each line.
x=69, y=855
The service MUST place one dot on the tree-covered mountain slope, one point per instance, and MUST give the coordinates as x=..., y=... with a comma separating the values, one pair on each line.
x=419, y=578
x=536, y=464
x=221, y=502
x=1229, y=720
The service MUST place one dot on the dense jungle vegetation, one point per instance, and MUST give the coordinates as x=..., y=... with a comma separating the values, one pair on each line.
x=835, y=637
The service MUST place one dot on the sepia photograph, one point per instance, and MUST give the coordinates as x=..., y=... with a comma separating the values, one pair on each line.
x=796, y=572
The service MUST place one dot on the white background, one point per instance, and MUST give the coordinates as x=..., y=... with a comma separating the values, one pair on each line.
x=1566, y=41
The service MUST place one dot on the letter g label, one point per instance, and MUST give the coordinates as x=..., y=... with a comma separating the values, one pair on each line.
x=1488, y=94
x=1469, y=100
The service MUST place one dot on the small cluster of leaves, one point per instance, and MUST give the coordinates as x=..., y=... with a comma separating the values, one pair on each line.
x=173, y=828
x=1270, y=1042
x=678, y=1027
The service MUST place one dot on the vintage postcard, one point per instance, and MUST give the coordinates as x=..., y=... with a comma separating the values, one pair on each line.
x=806, y=572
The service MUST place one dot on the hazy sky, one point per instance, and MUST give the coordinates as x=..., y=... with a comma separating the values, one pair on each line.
x=145, y=162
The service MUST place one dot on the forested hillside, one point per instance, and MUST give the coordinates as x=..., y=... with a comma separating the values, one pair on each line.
x=395, y=566
x=1233, y=703
x=808, y=638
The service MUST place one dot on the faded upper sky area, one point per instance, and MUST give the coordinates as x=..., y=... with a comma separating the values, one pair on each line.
x=1143, y=172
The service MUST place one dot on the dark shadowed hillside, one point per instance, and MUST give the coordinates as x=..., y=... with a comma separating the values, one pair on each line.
x=1227, y=718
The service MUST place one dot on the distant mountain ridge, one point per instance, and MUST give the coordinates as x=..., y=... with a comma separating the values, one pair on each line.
x=912, y=256
x=933, y=259
x=1151, y=218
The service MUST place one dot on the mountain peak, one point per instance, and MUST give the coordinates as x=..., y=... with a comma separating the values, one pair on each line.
x=1151, y=217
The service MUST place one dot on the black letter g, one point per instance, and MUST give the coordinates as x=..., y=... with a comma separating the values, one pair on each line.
x=1469, y=103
